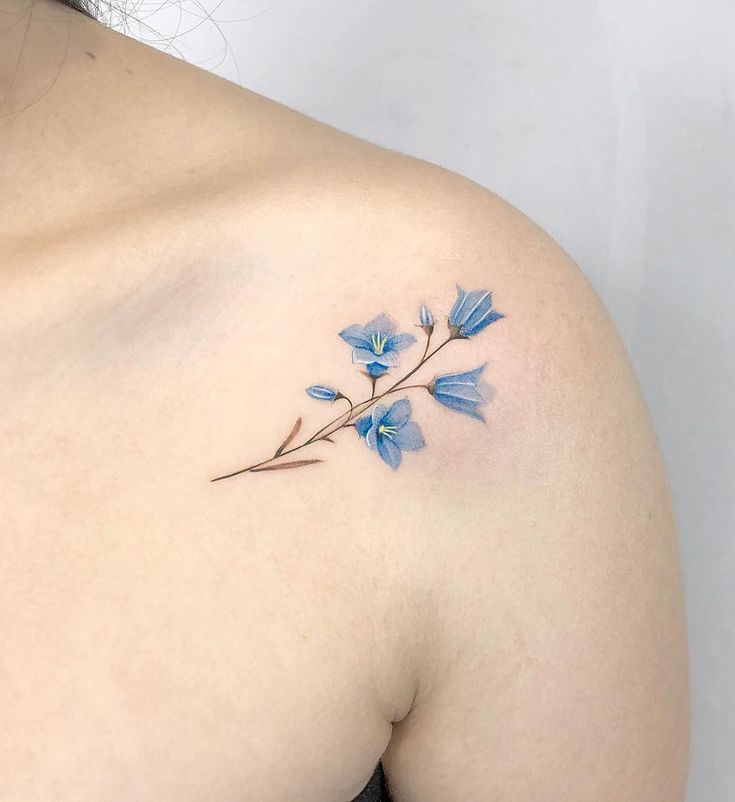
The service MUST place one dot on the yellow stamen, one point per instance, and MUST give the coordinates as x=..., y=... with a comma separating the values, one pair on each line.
x=388, y=431
x=378, y=343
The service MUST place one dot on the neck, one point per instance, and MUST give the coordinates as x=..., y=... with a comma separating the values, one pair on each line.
x=95, y=125
x=35, y=38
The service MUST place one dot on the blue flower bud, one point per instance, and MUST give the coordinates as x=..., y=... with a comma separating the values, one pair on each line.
x=322, y=393
x=425, y=317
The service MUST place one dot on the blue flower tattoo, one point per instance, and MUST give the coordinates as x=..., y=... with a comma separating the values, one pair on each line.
x=387, y=428
x=322, y=393
x=376, y=345
x=462, y=392
x=390, y=430
x=472, y=312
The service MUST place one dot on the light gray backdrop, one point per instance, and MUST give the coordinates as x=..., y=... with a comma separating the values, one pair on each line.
x=611, y=124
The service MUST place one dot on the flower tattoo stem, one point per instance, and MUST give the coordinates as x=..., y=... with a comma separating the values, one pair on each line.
x=354, y=410
x=390, y=430
x=428, y=343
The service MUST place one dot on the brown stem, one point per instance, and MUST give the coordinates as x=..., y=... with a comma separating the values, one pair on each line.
x=426, y=350
x=324, y=428
x=354, y=411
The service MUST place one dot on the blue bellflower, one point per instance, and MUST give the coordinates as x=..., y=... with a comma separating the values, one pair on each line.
x=376, y=345
x=472, y=312
x=390, y=431
x=462, y=392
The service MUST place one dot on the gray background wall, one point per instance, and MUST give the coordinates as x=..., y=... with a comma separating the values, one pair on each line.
x=611, y=124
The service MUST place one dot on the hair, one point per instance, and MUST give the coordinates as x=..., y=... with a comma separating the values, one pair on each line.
x=120, y=15
x=86, y=7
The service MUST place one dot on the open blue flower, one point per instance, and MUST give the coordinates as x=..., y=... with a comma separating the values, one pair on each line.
x=390, y=431
x=376, y=345
x=462, y=392
x=472, y=312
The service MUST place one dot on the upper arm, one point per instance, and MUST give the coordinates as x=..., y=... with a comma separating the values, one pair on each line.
x=553, y=656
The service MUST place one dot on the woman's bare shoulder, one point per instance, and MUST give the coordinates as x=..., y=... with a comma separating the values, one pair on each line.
x=529, y=558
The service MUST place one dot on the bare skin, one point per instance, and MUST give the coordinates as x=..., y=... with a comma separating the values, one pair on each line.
x=500, y=619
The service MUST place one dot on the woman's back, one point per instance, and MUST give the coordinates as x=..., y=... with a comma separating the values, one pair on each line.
x=178, y=258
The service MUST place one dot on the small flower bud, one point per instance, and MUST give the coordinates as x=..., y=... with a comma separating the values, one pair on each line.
x=322, y=393
x=426, y=319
